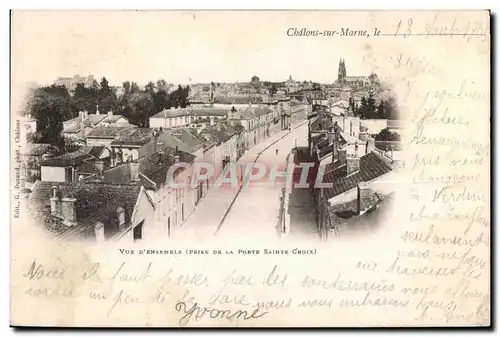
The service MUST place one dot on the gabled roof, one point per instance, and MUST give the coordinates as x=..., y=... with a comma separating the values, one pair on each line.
x=191, y=111
x=95, y=202
x=113, y=118
x=320, y=124
x=344, y=218
x=138, y=136
x=112, y=132
x=68, y=159
x=153, y=168
x=96, y=151
x=371, y=167
x=239, y=99
x=220, y=133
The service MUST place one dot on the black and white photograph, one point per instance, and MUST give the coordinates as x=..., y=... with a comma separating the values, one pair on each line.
x=238, y=168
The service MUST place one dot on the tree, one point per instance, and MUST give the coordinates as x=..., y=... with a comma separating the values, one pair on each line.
x=161, y=84
x=84, y=99
x=50, y=106
x=387, y=136
x=392, y=108
x=140, y=107
x=381, y=111
x=150, y=87
x=126, y=87
x=255, y=82
x=105, y=89
x=134, y=88
x=363, y=108
x=273, y=90
x=370, y=106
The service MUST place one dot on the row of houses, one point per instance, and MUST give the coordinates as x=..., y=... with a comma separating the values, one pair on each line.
x=117, y=186
x=362, y=179
x=119, y=189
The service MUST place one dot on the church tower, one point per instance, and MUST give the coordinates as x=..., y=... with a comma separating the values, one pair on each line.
x=341, y=72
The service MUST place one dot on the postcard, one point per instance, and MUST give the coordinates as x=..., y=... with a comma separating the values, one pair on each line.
x=245, y=169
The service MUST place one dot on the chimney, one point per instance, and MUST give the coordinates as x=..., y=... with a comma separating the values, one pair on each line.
x=55, y=205
x=86, y=114
x=99, y=165
x=82, y=128
x=81, y=115
x=159, y=150
x=120, y=214
x=97, y=109
x=352, y=164
x=342, y=155
x=68, y=211
x=364, y=193
x=134, y=171
x=110, y=113
x=99, y=232
x=370, y=145
x=330, y=135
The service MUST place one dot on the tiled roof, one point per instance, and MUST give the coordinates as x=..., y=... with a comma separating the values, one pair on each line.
x=138, y=136
x=374, y=217
x=371, y=167
x=111, y=132
x=153, y=169
x=220, y=133
x=96, y=151
x=95, y=202
x=94, y=119
x=320, y=124
x=197, y=111
x=243, y=99
x=340, y=213
x=68, y=159
x=187, y=139
x=112, y=118
x=73, y=129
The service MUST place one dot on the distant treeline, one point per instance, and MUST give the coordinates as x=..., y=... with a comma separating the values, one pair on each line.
x=51, y=105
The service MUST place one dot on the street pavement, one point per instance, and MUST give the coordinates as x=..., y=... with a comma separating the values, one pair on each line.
x=249, y=212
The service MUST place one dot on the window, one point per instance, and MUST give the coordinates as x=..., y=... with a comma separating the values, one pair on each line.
x=138, y=231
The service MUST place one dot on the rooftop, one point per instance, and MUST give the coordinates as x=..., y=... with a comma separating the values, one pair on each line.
x=345, y=217
x=138, y=136
x=190, y=111
x=371, y=167
x=153, y=168
x=112, y=132
x=95, y=202
x=75, y=158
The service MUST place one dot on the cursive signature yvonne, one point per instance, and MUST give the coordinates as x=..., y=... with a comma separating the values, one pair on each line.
x=200, y=312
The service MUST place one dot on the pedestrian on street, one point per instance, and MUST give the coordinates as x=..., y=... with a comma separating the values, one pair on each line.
x=276, y=151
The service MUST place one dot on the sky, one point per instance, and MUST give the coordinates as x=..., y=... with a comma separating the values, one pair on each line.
x=180, y=47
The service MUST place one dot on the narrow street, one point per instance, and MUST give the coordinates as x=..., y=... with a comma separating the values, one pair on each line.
x=250, y=212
